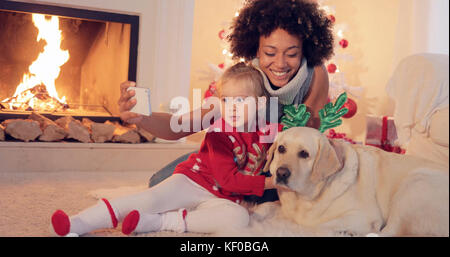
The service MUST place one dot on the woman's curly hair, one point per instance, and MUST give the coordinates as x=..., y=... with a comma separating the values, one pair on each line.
x=298, y=17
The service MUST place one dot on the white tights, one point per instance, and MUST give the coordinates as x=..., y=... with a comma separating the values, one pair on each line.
x=206, y=212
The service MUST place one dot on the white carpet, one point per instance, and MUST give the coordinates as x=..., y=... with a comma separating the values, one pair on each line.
x=28, y=199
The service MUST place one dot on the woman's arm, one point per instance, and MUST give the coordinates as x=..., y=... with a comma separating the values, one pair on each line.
x=157, y=123
x=317, y=96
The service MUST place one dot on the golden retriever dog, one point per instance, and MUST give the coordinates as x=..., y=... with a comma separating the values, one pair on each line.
x=355, y=189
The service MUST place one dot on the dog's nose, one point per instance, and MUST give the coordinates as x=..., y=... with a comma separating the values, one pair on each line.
x=283, y=174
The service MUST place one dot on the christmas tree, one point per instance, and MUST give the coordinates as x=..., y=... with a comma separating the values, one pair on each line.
x=338, y=84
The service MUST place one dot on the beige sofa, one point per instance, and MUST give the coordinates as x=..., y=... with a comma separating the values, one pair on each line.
x=420, y=87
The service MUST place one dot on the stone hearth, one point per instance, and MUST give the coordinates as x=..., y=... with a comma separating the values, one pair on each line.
x=91, y=157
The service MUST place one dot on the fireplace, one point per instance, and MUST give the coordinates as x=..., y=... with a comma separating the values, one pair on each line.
x=102, y=49
x=77, y=76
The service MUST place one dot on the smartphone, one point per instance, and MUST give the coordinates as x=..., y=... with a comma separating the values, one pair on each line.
x=142, y=97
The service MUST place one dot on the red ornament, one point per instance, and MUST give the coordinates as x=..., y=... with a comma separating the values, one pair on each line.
x=222, y=34
x=331, y=68
x=352, y=108
x=211, y=90
x=332, y=134
x=332, y=18
x=222, y=65
x=343, y=43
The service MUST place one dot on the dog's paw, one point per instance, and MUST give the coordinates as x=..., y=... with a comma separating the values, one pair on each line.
x=265, y=211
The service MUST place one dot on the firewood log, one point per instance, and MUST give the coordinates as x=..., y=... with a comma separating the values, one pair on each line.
x=51, y=132
x=25, y=130
x=100, y=132
x=2, y=133
x=4, y=106
x=147, y=136
x=124, y=134
x=74, y=129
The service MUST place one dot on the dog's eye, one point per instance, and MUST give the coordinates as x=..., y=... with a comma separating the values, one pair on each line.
x=303, y=154
x=281, y=149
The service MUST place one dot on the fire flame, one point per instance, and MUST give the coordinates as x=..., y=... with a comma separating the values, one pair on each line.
x=43, y=71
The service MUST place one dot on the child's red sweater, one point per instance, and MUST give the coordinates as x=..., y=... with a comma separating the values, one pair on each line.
x=214, y=166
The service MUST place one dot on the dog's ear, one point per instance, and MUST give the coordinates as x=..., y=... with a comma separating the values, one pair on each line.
x=270, y=156
x=326, y=163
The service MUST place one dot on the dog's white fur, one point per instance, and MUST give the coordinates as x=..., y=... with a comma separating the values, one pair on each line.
x=356, y=190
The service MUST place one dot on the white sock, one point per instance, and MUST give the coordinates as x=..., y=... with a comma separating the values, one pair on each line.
x=93, y=218
x=174, y=221
x=149, y=223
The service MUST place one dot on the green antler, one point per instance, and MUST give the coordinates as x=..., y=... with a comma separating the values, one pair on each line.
x=294, y=116
x=330, y=115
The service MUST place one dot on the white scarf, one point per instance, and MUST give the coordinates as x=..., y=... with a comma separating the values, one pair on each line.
x=287, y=93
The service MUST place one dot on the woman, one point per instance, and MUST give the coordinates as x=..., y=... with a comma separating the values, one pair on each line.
x=288, y=41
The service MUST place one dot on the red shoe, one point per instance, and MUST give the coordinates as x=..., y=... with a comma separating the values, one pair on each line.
x=130, y=222
x=61, y=223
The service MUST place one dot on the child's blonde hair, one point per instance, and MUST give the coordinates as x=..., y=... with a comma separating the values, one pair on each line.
x=243, y=71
